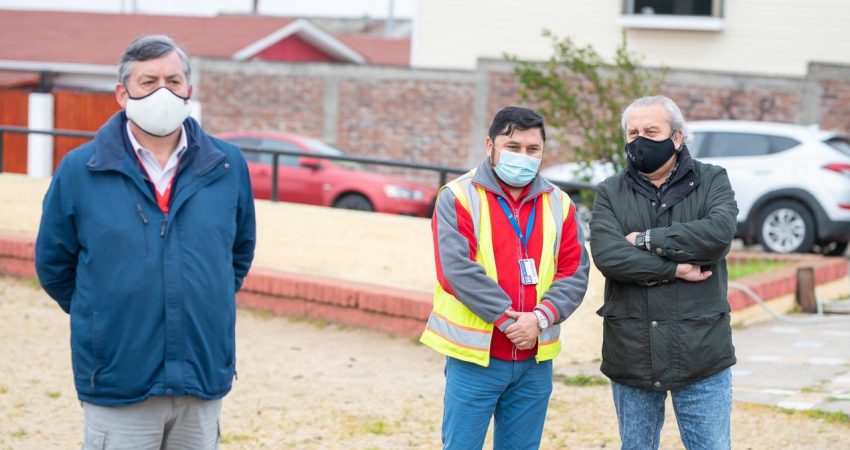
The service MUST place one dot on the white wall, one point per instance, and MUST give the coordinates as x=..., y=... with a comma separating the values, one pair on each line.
x=776, y=37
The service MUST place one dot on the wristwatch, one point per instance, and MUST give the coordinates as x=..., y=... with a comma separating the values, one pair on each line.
x=640, y=241
x=542, y=320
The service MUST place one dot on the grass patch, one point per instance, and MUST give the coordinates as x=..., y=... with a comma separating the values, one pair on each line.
x=231, y=438
x=352, y=425
x=4, y=389
x=836, y=417
x=53, y=394
x=743, y=269
x=585, y=380
x=19, y=433
x=378, y=427
x=829, y=416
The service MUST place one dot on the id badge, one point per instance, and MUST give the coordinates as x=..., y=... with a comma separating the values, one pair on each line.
x=528, y=272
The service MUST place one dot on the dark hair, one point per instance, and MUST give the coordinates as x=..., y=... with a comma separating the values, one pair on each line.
x=515, y=118
x=151, y=46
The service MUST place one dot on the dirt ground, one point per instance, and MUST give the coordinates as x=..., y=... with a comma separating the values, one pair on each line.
x=313, y=386
x=309, y=385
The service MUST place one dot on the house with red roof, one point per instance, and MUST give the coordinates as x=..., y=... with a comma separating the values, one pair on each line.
x=68, y=61
x=77, y=48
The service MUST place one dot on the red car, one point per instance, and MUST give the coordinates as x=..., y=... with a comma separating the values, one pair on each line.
x=317, y=181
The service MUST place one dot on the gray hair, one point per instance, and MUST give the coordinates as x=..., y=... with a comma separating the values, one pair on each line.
x=151, y=46
x=677, y=121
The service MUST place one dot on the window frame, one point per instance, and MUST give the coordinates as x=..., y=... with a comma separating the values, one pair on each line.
x=716, y=22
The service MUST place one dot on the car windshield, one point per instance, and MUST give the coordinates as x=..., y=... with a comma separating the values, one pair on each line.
x=323, y=148
x=840, y=144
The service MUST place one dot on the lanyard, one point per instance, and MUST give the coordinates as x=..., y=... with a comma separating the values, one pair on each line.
x=529, y=226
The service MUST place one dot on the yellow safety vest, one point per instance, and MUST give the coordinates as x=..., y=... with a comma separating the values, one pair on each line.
x=452, y=328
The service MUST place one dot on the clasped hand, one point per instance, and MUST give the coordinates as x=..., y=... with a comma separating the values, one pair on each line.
x=523, y=333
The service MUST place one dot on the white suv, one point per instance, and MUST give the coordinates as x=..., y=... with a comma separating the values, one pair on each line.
x=792, y=182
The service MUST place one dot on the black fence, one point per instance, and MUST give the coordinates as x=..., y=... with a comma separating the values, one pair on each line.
x=572, y=188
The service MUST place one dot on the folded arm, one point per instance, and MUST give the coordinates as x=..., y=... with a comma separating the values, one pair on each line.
x=458, y=273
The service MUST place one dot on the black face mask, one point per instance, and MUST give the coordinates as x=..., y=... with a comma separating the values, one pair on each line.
x=647, y=155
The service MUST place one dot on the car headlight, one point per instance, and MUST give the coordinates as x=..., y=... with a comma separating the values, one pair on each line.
x=393, y=191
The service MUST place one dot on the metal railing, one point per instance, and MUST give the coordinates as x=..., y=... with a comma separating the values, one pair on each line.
x=572, y=188
x=24, y=130
x=276, y=154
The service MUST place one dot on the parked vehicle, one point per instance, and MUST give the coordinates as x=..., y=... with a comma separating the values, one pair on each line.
x=317, y=181
x=792, y=182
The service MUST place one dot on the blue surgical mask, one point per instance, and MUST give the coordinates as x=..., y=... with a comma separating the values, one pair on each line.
x=516, y=169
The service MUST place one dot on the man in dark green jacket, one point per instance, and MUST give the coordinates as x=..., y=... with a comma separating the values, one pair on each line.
x=660, y=233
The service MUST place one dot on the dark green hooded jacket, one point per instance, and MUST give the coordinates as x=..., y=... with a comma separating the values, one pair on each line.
x=662, y=332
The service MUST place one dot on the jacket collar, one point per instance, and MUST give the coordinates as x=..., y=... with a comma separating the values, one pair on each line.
x=113, y=151
x=684, y=165
x=486, y=177
x=685, y=180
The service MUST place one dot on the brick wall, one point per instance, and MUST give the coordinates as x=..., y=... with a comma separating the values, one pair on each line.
x=234, y=101
x=407, y=120
x=835, y=104
x=441, y=117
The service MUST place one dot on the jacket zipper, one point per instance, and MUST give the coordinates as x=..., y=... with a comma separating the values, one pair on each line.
x=144, y=224
x=164, y=225
x=520, y=255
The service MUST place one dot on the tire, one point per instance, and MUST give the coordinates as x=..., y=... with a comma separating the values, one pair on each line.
x=786, y=226
x=835, y=249
x=354, y=201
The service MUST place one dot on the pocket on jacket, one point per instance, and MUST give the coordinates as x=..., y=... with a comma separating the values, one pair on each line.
x=703, y=343
x=625, y=348
x=94, y=439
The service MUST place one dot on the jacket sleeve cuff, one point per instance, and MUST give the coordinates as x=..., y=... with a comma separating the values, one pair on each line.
x=548, y=309
x=503, y=322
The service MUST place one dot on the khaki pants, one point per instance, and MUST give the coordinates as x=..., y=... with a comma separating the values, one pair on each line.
x=158, y=423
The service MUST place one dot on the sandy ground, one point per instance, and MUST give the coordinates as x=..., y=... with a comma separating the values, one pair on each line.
x=312, y=386
x=309, y=385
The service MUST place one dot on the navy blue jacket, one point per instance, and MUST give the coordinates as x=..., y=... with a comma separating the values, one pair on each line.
x=151, y=296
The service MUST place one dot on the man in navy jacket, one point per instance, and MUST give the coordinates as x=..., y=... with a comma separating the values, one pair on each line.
x=146, y=236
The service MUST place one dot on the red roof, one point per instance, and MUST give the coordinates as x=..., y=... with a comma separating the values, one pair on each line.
x=380, y=51
x=98, y=38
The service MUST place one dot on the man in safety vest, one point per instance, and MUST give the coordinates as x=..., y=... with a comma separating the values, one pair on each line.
x=511, y=266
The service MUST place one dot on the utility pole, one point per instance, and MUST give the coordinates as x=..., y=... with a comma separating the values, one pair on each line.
x=255, y=7
x=389, y=25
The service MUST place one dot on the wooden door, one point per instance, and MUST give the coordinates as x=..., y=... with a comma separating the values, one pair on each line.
x=14, y=110
x=80, y=111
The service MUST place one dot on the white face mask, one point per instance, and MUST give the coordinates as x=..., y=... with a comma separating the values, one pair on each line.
x=158, y=113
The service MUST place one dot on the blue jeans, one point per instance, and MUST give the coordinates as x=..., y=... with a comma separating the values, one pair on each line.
x=703, y=411
x=516, y=392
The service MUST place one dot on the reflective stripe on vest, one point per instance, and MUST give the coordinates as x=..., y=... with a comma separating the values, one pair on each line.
x=452, y=328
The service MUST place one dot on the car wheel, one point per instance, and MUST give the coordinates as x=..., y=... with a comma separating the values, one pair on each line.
x=354, y=201
x=786, y=227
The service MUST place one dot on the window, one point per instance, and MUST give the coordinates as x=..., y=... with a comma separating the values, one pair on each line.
x=705, y=15
x=780, y=144
x=724, y=145
x=284, y=160
x=251, y=156
x=673, y=7
x=840, y=144
x=695, y=146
